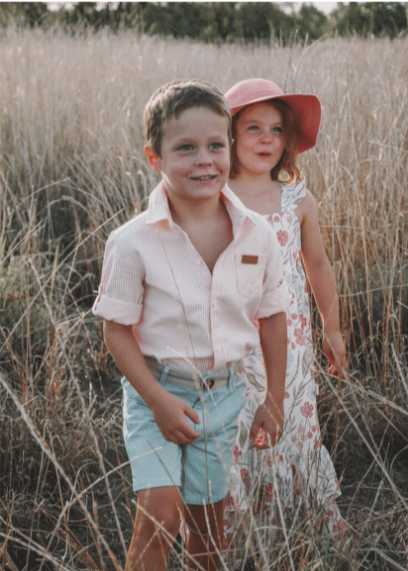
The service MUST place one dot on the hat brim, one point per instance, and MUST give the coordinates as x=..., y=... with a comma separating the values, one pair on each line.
x=307, y=110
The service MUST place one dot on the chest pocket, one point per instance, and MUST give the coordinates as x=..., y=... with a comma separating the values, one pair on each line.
x=250, y=274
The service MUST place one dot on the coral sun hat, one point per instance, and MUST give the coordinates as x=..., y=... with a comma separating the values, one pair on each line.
x=306, y=108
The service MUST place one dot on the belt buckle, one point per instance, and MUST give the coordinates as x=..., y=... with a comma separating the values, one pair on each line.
x=208, y=384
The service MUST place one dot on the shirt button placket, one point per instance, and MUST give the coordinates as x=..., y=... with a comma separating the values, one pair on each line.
x=216, y=333
x=216, y=329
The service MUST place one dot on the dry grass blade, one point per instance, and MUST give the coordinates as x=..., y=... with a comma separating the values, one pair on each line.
x=72, y=169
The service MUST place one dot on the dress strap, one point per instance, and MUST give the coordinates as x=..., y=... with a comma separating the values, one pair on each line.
x=292, y=194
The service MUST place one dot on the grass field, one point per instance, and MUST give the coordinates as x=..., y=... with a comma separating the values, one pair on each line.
x=72, y=169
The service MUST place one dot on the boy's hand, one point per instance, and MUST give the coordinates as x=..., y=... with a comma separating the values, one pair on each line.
x=335, y=351
x=170, y=416
x=269, y=419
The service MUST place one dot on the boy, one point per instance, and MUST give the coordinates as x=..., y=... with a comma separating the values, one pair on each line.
x=193, y=275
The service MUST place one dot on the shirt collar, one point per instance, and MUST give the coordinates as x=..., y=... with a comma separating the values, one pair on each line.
x=159, y=206
x=236, y=209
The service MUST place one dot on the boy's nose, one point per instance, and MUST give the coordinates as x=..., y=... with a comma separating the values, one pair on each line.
x=203, y=157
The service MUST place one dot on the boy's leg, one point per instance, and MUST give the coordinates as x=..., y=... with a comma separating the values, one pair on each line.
x=206, y=462
x=201, y=551
x=157, y=523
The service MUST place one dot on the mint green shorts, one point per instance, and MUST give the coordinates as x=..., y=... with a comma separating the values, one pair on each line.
x=201, y=469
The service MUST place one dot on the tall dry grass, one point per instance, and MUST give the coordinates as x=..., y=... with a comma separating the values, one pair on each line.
x=71, y=170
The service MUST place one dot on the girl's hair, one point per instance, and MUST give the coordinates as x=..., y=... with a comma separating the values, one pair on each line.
x=289, y=161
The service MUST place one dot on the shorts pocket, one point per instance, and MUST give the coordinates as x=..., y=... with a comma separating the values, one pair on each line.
x=250, y=274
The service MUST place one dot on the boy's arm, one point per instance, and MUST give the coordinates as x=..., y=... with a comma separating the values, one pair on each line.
x=269, y=416
x=169, y=411
x=321, y=278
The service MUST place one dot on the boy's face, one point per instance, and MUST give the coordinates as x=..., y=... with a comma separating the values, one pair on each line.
x=195, y=156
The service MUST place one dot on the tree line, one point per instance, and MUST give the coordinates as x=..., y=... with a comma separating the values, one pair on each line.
x=216, y=21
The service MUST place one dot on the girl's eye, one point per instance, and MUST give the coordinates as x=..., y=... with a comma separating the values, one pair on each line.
x=277, y=130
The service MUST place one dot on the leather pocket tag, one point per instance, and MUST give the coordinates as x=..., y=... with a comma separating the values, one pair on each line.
x=252, y=260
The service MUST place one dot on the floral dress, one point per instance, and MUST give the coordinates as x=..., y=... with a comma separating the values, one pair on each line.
x=299, y=469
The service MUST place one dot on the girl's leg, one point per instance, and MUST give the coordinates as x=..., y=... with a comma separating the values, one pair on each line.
x=157, y=523
x=200, y=541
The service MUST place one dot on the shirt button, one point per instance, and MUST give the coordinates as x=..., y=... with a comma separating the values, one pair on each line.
x=197, y=261
x=215, y=303
x=218, y=347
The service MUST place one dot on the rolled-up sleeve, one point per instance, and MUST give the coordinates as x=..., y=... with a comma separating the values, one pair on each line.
x=120, y=295
x=276, y=294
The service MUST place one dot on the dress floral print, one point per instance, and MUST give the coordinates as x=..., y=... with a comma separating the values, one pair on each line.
x=299, y=467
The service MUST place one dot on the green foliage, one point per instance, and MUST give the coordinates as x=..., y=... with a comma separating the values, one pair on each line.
x=376, y=18
x=261, y=20
x=28, y=14
x=8, y=13
x=84, y=14
x=208, y=21
x=216, y=21
x=311, y=23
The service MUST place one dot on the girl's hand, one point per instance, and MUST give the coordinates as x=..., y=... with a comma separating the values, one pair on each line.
x=170, y=415
x=335, y=351
x=269, y=420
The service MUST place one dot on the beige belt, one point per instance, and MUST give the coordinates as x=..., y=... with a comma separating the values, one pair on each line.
x=207, y=382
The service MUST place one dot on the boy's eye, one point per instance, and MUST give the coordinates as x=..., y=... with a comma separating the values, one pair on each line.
x=253, y=128
x=185, y=147
x=216, y=146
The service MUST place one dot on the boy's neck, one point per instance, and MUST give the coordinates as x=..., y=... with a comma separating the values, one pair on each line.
x=184, y=213
x=208, y=226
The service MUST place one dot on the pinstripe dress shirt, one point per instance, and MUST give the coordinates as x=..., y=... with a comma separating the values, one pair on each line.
x=153, y=277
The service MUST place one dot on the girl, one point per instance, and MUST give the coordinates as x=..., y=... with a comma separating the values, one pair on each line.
x=270, y=129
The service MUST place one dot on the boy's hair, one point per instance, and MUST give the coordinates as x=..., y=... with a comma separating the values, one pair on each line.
x=289, y=160
x=177, y=96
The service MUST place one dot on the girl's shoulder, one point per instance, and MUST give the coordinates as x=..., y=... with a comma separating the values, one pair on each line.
x=293, y=194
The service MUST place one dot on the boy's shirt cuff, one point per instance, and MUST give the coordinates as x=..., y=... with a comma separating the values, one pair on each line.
x=275, y=301
x=122, y=312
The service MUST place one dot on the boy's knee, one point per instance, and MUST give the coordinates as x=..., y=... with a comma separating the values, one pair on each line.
x=164, y=525
x=153, y=537
x=159, y=512
x=199, y=519
x=170, y=521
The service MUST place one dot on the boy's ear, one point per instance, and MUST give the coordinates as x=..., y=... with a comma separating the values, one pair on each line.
x=152, y=157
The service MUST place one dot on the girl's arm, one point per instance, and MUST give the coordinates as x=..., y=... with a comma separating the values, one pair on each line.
x=269, y=416
x=321, y=278
x=169, y=411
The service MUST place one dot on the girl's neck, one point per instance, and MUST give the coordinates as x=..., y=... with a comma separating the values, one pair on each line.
x=259, y=193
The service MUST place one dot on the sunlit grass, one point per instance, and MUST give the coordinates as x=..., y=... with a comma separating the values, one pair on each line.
x=72, y=169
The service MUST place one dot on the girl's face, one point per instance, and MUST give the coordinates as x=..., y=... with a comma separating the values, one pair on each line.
x=259, y=139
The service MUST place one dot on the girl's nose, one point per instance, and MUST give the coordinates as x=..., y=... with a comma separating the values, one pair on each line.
x=266, y=136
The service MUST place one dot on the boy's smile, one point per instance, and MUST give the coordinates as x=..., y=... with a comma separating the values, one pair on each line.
x=195, y=156
x=260, y=138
